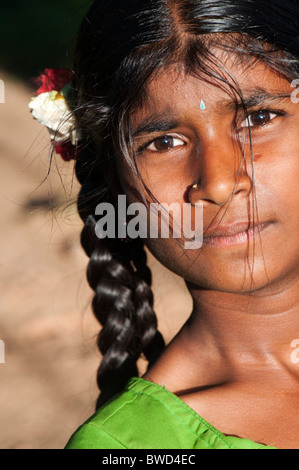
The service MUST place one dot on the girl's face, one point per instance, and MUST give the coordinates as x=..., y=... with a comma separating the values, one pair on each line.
x=192, y=131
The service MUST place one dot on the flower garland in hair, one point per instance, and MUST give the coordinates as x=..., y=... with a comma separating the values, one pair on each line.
x=51, y=108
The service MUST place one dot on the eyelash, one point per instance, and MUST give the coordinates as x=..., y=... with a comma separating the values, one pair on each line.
x=276, y=113
x=147, y=144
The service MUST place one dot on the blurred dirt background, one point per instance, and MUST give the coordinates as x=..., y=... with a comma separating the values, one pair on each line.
x=47, y=384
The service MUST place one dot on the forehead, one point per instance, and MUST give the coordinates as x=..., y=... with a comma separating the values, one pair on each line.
x=173, y=89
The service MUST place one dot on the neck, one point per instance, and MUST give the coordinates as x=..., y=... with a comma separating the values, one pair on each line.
x=249, y=335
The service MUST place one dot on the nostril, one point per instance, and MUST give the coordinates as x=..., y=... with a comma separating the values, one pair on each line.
x=186, y=193
x=193, y=194
x=219, y=193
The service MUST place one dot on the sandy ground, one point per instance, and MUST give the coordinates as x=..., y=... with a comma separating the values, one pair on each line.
x=47, y=383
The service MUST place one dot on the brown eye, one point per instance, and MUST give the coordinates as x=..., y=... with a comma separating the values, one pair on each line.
x=165, y=142
x=258, y=118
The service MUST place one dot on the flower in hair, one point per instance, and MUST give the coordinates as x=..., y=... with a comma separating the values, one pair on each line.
x=51, y=108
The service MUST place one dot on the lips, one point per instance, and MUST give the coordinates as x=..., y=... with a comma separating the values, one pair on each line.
x=233, y=234
x=228, y=229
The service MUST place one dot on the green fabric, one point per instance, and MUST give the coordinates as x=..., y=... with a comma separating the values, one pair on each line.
x=147, y=416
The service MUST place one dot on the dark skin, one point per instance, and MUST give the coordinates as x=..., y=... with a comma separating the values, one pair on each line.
x=231, y=362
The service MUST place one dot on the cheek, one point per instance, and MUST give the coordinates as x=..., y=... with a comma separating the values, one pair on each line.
x=277, y=195
x=277, y=174
x=168, y=178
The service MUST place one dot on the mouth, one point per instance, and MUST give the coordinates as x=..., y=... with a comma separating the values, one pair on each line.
x=234, y=234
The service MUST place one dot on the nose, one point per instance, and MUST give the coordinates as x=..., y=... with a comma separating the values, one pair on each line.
x=222, y=174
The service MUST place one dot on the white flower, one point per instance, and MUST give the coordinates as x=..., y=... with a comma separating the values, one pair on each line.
x=51, y=110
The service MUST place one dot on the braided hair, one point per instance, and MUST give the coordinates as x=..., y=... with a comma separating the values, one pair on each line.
x=120, y=47
x=123, y=299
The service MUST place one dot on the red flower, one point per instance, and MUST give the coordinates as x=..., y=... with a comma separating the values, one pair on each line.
x=53, y=79
x=67, y=150
x=56, y=80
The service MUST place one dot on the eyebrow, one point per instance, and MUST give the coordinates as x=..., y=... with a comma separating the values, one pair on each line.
x=156, y=123
x=255, y=98
x=162, y=122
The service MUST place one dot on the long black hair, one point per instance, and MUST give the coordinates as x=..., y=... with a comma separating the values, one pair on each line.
x=120, y=46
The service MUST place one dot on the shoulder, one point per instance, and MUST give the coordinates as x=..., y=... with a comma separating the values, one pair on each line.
x=145, y=416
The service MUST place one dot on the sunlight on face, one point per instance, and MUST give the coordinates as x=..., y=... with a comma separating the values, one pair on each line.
x=250, y=230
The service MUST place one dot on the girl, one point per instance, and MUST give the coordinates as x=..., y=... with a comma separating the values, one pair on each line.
x=193, y=102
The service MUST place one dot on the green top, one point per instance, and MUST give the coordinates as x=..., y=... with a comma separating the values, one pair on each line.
x=147, y=416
